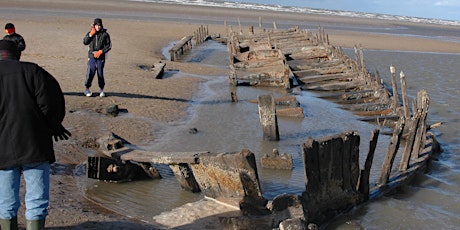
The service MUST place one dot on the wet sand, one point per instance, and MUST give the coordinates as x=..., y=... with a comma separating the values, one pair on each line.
x=54, y=29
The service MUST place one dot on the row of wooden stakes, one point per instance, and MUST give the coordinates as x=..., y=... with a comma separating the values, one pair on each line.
x=295, y=58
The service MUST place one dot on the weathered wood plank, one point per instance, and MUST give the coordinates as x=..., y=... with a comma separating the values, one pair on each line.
x=362, y=100
x=277, y=161
x=354, y=141
x=259, y=63
x=419, y=165
x=365, y=106
x=181, y=43
x=290, y=101
x=391, y=152
x=300, y=64
x=348, y=176
x=228, y=175
x=334, y=86
x=308, y=71
x=366, y=172
x=423, y=101
x=310, y=53
x=185, y=177
x=154, y=157
x=348, y=95
x=336, y=164
x=179, y=48
x=379, y=118
x=290, y=112
x=382, y=112
x=158, y=70
x=332, y=172
x=411, y=128
x=394, y=88
x=268, y=119
x=311, y=162
x=309, y=79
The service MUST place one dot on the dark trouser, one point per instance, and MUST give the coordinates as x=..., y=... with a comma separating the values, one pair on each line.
x=93, y=66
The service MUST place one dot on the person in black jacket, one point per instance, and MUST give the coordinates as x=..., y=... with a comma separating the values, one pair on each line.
x=99, y=43
x=11, y=35
x=32, y=108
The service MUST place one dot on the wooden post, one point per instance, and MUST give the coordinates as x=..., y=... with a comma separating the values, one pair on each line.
x=251, y=30
x=331, y=172
x=378, y=79
x=396, y=103
x=184, y=176
x=197, y=37
x=350, y=161
x=363, y=186
x=391, y=152
x=197, y=34
x=404, y=95
x=411, y=128
x=269, y=40
x=311, y=158
x=172, y=55
x=268, y=119
x=423, y=101
x=232, y=78
x=229, y=176
x=363, y=64
x=239, y=26
x=233, y=93
x=321, y=35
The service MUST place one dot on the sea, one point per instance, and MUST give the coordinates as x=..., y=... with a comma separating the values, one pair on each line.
x=430, y=201
x=301, y=7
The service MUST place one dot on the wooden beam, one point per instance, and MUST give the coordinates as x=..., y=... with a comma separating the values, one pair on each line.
x=396, y=102
x=155, y=157
x=391, y=152
x=268, y=119
x=363, y=186
x=404, y=95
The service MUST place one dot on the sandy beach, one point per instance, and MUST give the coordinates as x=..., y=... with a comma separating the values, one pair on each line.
x=53, y=31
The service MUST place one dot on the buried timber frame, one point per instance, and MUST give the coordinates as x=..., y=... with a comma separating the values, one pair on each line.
x=334, y=180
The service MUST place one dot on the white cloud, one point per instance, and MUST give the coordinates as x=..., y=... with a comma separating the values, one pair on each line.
x=447, y=3
x=441, y=3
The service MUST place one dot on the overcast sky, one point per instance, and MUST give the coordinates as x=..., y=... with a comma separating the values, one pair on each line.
x=439, y=9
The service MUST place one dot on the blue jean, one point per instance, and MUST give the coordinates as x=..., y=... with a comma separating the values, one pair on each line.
x=37, y=178
x=95, y=65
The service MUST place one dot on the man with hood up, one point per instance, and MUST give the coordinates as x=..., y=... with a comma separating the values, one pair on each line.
x=99, y=43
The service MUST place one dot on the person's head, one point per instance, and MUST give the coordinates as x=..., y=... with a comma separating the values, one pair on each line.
x=8, y=50
x=9, y=28
x=98, y=24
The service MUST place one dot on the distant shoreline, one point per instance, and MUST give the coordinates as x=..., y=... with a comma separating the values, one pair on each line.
x=315, y=11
